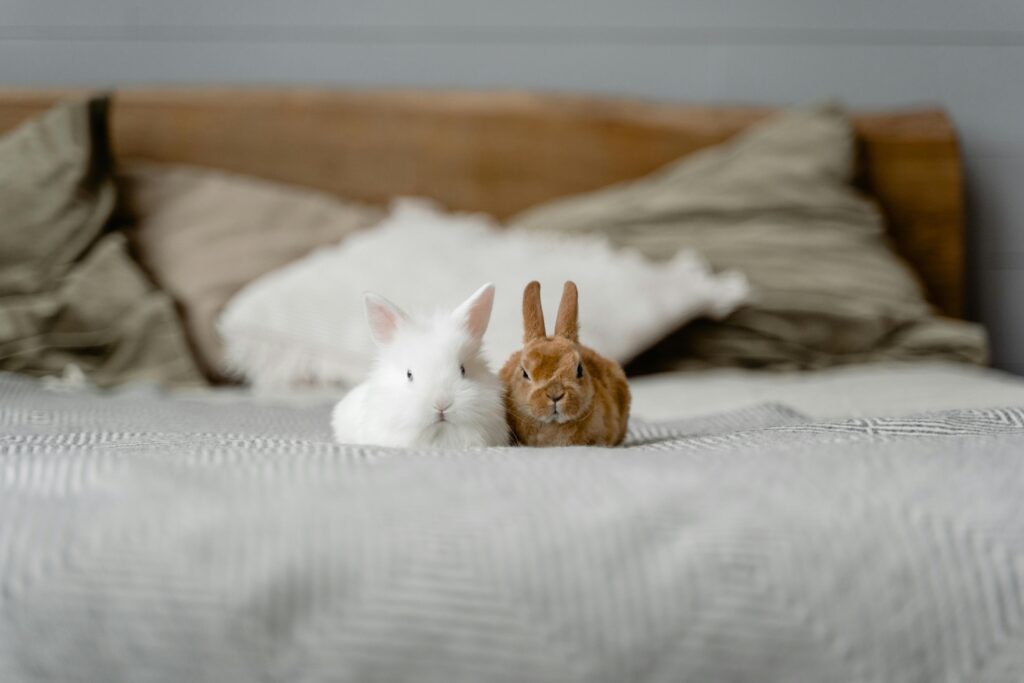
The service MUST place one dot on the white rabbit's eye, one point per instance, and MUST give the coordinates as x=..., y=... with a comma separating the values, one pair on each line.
x=579, y=370
x=525, y=376
x=408, y=375
x=462, y=369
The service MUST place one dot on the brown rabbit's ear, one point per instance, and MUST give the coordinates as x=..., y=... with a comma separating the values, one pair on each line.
x=533, y=314
x=566, y=323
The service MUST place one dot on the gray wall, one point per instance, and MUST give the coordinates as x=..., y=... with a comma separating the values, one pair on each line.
x=968, y=56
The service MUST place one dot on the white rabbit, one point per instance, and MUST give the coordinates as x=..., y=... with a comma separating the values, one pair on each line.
x=430, y=385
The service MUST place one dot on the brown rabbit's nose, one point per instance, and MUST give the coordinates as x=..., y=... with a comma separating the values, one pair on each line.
x=555, y=392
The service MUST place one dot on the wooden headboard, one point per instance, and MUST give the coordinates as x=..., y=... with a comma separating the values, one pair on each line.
x=500, y=152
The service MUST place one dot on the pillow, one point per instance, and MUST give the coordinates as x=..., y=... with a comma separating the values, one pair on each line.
x=776, y=203
x=204, y=234
x=304, y=324
x=70, y=295
x=56, y=193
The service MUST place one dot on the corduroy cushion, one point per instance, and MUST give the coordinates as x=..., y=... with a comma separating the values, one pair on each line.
x=777, y=204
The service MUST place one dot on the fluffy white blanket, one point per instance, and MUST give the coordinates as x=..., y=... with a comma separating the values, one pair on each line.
x=304, y=324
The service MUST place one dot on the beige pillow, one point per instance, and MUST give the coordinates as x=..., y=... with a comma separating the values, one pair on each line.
x=776, y=204
x=204, y=234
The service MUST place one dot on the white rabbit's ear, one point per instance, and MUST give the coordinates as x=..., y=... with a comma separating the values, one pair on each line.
x=383, y=316
x=475, y=312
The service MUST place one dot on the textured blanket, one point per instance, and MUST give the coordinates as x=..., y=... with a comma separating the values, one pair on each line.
x=148, y=538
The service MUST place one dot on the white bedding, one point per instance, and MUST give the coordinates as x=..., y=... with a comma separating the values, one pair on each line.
x=882, y=389
x=147, y=538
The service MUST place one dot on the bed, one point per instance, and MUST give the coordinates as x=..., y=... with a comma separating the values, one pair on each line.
x=861, y=523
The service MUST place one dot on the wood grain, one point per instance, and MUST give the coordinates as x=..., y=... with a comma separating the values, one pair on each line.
x=501, y=152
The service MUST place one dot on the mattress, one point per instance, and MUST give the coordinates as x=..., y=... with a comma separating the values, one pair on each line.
x=869, y=390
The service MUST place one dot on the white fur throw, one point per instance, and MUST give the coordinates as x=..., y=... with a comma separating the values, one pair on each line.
x=304, y=324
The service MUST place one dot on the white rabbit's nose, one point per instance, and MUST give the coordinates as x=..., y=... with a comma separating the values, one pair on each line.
x=443, y=405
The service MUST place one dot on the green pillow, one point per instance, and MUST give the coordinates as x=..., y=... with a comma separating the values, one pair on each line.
x=70, y=294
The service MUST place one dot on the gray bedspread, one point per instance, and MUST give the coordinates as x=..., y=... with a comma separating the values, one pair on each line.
x=147, y=538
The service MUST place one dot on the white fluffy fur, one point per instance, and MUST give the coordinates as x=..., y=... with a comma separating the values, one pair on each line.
x=303, y=324
x=390, y=409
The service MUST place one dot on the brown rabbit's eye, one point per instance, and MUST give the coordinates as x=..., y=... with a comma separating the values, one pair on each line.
x=462, y=368
x=579, y=370
x=525, y=376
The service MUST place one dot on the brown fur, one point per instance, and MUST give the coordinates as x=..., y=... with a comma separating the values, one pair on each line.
x=533, y=313
x=595, y=406
x=565, y=324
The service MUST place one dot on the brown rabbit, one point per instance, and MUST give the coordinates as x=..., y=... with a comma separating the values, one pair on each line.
x=557, y=391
